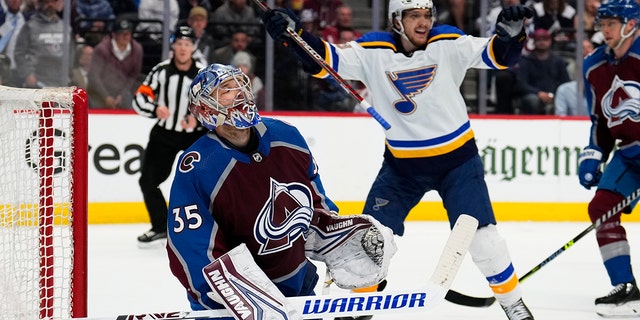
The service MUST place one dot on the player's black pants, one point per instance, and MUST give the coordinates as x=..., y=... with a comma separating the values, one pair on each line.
x=157, y=164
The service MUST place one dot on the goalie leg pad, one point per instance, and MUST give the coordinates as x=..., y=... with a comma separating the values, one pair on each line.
x=242, y=287
x=357, y=249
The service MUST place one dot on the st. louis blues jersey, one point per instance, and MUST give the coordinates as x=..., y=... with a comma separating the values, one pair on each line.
x=613, y=98
x=221, y=197
x=418, y=93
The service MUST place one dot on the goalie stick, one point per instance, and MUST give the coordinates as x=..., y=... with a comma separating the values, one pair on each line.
x=469, y=301
x=354, y=304
x=319, y=60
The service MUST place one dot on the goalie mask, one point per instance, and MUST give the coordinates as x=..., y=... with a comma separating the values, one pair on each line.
x=221, y=94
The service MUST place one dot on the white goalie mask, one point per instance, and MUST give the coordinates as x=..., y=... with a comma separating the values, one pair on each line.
x=221, y=94
x=397, y=6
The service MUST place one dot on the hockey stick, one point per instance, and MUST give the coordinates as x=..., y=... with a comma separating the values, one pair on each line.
x=319, y=60
x=462, y=299
x=354, y=304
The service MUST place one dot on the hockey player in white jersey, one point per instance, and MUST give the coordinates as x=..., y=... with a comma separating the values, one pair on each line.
x=414, y=73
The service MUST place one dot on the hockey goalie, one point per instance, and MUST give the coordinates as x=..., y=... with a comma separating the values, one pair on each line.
x=247, y=211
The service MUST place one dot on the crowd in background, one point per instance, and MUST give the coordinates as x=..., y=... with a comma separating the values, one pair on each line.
x=115, y=43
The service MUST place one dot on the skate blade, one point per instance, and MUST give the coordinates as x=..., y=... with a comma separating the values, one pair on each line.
x=626, y=310
x=156, y=244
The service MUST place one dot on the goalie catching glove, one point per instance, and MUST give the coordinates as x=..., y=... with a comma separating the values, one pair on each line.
x=357, y=249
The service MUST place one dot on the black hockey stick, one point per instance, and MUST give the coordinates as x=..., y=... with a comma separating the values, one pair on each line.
x=469, y=301
x=319, y=60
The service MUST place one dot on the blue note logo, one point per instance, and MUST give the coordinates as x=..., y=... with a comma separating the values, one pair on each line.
x=409, y=83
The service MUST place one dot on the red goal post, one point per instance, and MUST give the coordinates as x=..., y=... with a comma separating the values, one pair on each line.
x=43, y=203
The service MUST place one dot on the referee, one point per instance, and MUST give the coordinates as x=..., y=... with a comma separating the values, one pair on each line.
x=163, y=95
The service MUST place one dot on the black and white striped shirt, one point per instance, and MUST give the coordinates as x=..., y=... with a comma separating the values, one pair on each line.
x=165, y=85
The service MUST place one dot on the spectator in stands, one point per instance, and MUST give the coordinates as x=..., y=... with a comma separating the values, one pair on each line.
x=242, y=60
x=198, y=20
x=5, y=69
x=344, y=19
x=348, y=34
x=506, y=88
x=185, y=7
x=29, y=8
x=328, y=94
x=39, y=52
x=539, y=74
x=11, y=23
x=121, y=7
x=553, y=15
x=459, y=16
x=567, y=93
x=308, y=19
x=325, y=11
x=590, y=12
x=486, y=25
x=154, y=10
x=116, y=69
x=239, y=42
x=82, y=65
x=233, y=16
x=93, y=16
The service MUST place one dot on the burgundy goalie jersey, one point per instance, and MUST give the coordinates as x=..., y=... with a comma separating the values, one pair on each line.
x=221, y=197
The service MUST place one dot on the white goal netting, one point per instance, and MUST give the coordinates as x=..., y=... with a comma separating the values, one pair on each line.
x=42, y=253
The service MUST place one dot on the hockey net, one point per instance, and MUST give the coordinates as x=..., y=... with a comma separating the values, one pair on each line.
x=43, y=203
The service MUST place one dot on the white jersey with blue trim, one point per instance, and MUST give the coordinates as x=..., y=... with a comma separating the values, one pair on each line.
x=414, y=92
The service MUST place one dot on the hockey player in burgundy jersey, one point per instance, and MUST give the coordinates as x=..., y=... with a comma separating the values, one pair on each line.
x=414, y=73
x=612, y=85
x=249, y=190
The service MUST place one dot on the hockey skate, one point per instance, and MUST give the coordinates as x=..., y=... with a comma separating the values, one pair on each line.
x=622, y=301
x=518, y=311
x=151, y=239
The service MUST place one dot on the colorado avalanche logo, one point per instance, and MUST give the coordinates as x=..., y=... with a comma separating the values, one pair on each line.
x=410, y=83
x=284, y=218
x=621, y=102
x=188, y=161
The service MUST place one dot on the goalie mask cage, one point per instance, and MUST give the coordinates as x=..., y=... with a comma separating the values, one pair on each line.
x=43, y=203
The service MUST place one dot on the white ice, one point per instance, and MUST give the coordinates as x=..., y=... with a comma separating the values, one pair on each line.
x=124, y=279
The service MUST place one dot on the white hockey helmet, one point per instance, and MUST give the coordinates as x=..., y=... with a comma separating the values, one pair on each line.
x=397, y=6
x=204, y=99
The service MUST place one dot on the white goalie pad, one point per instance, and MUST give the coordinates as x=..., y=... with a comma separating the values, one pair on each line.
x=244, y=289
x=357, y=249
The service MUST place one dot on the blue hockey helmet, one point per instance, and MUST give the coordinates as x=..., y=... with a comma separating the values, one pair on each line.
x=624, y=10
x=207, y=106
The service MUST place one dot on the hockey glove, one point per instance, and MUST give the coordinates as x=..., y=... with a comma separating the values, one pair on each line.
x=277, y=21
x=510, y=22
x=357, y=249
x=589, y=166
